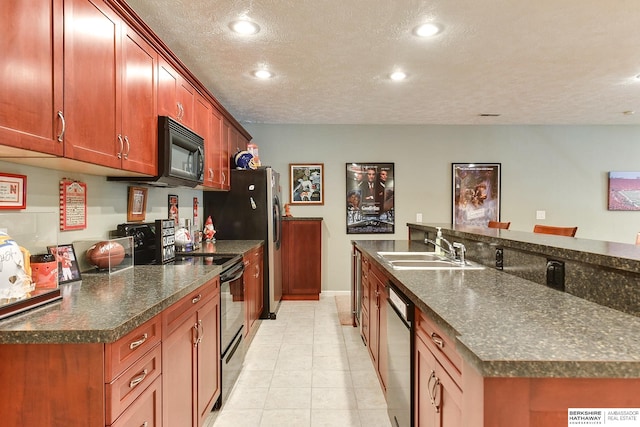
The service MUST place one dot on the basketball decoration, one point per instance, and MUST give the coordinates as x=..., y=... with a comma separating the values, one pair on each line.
x=105, y=253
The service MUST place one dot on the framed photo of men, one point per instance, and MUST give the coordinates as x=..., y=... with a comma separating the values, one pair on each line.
x=370, y=198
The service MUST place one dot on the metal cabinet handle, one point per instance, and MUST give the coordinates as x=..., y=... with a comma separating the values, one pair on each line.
x=121, y=146
x=201, y=328
x=224, y=178
x=138, y=343
x=196, y=334
x=435, y=390
x=64, y=126
x=196, y=299
x=145, y=424
x=137, y=380
x=257, y=268
x=437, y=340
x=126, y=155
x=211, y=173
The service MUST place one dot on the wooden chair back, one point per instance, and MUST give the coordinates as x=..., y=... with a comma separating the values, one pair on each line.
x=559, y=231
x=498, y=224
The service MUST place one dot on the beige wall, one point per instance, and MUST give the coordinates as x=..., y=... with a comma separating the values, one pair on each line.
x=559, y=169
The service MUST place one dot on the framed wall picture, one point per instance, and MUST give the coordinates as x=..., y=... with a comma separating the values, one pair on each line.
x=370, y=206
x=624, y=191
x=68, y=270
x=476, y=193
x=137, y=204
x=172, y=207
x=306, y=183
x=13, y=191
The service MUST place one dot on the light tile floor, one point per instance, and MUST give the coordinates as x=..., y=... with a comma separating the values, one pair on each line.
x=305, y=369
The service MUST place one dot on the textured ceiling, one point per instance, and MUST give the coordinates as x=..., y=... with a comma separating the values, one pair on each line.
x=532, y=62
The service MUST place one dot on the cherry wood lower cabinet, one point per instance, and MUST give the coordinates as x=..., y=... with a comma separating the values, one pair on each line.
x=191, y=356
x=301, y=259
x=254, y=288
x=378, y=323
x=450, y=392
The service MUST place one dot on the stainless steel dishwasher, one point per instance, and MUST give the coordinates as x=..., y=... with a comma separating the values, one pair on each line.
x=400, y=358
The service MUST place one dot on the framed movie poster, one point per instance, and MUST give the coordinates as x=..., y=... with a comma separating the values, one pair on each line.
x=306, y=183
x=476, y=193
x=370, y=198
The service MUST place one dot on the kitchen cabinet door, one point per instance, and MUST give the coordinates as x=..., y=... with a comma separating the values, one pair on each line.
x=225, y=155
x=92, y=79
x=208, y=354
x=214, y=152
x=253, y=285
x=202, y=126
x=139, y=117
x=31, y=76
x=191, y=356
x=176, y=96
x=378, y=323
x=301, y=259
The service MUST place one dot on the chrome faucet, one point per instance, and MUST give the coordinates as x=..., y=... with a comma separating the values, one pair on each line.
x=450, y=251
x=461, y=250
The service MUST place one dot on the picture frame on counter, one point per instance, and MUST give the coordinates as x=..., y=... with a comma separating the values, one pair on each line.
x=475, y=193
x=137, y=204
x=68, y=269
x=370, y=198
x=13, y=191
x=306, y=183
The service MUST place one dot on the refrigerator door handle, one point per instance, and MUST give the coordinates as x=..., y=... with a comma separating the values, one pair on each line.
x=277, y=221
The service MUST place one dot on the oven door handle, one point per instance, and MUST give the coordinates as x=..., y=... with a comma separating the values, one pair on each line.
x=232, y=274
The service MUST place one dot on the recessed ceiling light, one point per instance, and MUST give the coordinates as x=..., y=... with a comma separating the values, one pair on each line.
x=244, y=26
x=637, y=76
x=397, y=76
x=263, y=74
x=426, y=30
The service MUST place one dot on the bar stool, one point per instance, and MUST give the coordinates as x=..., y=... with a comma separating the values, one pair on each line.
x=498, y=224
x=559, y=231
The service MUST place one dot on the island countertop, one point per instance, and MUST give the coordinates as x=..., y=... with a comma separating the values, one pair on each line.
x=104, y=307
x=506, y=326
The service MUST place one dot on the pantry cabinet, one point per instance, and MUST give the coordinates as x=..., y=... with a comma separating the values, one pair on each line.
x=301, y=258
x=109, y=90
x=31, y=76
x=191, y=356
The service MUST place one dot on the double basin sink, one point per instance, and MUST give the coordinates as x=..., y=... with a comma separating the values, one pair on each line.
x=425, y=261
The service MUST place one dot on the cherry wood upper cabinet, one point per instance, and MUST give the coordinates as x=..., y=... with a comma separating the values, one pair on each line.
x=104, y=82
x=176, y=96
x=31, y=76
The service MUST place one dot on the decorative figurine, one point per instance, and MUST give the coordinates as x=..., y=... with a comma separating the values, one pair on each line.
x=209, y=231
x=287, y=210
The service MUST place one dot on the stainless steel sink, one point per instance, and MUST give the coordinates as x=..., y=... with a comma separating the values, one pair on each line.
x=424, y=261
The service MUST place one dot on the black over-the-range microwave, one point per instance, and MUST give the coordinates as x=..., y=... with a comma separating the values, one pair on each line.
x=180, y=157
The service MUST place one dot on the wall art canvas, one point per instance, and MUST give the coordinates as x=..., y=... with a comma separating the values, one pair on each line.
x=370, y=198
x=624, y=191
x=306, y=183
x=476, y=193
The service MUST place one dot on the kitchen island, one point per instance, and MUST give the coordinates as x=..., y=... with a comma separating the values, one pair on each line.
x=99, y=356
x=520, y=353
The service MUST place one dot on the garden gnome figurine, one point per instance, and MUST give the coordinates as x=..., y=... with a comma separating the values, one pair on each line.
x=209, y=231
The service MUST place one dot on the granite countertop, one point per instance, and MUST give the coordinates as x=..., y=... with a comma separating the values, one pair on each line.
x=102, y=308
x=506, y=326
x=622, y=256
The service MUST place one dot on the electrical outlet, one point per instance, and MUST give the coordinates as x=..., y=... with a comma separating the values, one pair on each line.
x=419, y=217
x=499, y=258
x=541, y=214
x=555, y=274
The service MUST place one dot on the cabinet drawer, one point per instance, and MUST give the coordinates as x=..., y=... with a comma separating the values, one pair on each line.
x=439, y=343
x=121, y=354
x=121, y=392
x=173, y=316
x=146, y=410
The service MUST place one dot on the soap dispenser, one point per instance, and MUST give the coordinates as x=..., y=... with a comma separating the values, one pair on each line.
x=438, y=245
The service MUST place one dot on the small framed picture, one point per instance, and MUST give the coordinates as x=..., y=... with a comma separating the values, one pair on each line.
x=68, y=270
x=13, y=191
x=306, y=183
x=137, y=206
x=172, y=207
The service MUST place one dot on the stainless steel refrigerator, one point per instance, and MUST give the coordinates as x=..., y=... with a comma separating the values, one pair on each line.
x=252, y=211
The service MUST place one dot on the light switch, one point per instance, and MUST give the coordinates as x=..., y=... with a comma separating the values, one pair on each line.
x=419, y=217
x=541, y=214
